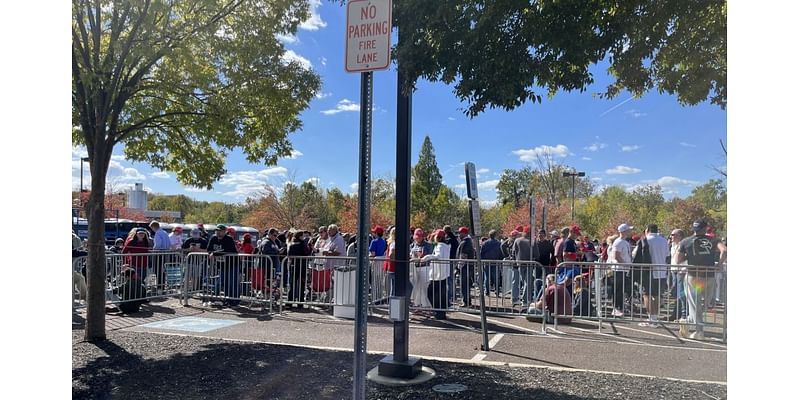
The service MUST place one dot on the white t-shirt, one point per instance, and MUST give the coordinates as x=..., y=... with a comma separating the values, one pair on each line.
x=439, y=269
x=620, y=245
x=659, y=250
x=337, y=244
x=175, y=241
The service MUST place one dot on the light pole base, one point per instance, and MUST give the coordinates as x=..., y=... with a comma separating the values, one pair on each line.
x=408, y=369
x=423, y=374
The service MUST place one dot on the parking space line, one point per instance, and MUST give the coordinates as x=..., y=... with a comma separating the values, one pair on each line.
x=483, y=354
x=494, y=340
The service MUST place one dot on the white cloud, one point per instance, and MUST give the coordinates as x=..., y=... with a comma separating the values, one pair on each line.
x=249, y=183
x=323, y=95
x=294, y=155
x=160, y=174
x=684, y=144
x=290, y=56
x=461, y=186
x=488, y=184
x=323, y=61
x=314, y=22
x=672, y=182
x=596, y=179
x=193, y=189
x=343, y=105
x=488, y=203
x=635, y=113
x=623, y=170
x=354, y=187
x=531, y=154
x=313, y=180
x=482, y=171
x=586, y=159
x=630, y=147
x=117, y=157
x=596, y=146
x=287, y=39
x=451, y=119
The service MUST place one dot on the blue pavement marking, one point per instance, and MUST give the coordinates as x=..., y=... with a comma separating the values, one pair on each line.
x=192, y=324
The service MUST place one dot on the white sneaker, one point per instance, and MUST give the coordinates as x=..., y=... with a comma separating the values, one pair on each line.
x=617, y=313
x=698, y=335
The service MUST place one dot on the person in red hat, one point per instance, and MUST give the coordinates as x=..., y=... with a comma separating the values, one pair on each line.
x=466, y=269
x=377, y=248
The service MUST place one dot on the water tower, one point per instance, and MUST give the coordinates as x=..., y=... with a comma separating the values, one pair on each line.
x=137, y=198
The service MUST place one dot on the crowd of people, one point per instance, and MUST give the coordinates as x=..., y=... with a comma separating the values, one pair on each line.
x=681, y=264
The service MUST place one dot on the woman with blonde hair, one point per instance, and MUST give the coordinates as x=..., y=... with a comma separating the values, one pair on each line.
x=388, y=265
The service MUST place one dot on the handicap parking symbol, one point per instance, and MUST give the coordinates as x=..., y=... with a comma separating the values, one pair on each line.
x=192, y=324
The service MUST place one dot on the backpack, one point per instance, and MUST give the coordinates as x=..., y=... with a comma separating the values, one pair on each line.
x=642, y=253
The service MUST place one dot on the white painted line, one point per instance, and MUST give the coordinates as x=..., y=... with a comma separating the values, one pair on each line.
x=447, y=359
x=494, y=340
x=479, y=357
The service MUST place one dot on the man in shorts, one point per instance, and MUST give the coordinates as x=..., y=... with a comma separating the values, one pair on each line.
x=655, y=249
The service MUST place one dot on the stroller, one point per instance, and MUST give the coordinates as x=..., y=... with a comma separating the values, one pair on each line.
x=320, y=284
x=263, y=284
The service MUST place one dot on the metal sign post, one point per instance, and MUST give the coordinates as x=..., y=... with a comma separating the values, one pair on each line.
x=475, y=222
x=367, y=43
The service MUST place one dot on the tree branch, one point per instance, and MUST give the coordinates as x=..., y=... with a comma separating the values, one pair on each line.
x=123, y=133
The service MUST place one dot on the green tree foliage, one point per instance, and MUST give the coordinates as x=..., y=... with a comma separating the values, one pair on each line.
x=426, y=179
x=676, y=46
x=515, y=186
x=180, y=84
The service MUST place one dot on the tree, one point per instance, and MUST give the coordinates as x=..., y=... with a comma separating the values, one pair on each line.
x=180, y=84
x=515, y=186
x=677, y=47
x=426, y=180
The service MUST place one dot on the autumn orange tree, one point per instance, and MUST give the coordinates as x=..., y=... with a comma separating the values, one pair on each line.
x=348, y=216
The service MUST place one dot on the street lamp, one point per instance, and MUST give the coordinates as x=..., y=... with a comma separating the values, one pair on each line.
x=82, y=160
x=573, y=175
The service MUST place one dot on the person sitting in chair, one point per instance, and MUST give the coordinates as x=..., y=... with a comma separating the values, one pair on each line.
x=546, y=306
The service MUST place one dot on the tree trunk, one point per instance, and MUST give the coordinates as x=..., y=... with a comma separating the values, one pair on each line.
x=96, y=261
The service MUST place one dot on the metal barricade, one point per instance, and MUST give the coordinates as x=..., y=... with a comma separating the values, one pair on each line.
x=650, y=294
x=230, y=279
x=79, y=288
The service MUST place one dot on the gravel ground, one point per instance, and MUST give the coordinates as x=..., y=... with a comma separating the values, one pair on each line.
x=132, y=365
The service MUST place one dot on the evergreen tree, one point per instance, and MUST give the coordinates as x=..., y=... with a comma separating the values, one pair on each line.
x=426, y=180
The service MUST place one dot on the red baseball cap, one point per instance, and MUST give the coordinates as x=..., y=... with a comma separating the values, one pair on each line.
x=527, y=229
x=378, y=229
x=463, y=230
x=440, y=234
x=575, y=229
x=519, y=228
x=419, y=232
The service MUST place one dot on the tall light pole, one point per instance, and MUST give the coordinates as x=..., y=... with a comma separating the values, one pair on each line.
x=573, y=175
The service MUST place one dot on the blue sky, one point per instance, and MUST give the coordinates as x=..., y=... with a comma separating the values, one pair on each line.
x=624, y=141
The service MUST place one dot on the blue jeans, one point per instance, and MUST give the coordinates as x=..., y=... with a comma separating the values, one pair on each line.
x=466, y=282
x=390, y=282
x=680, y=295
x=492, y=276
x=521, y=280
